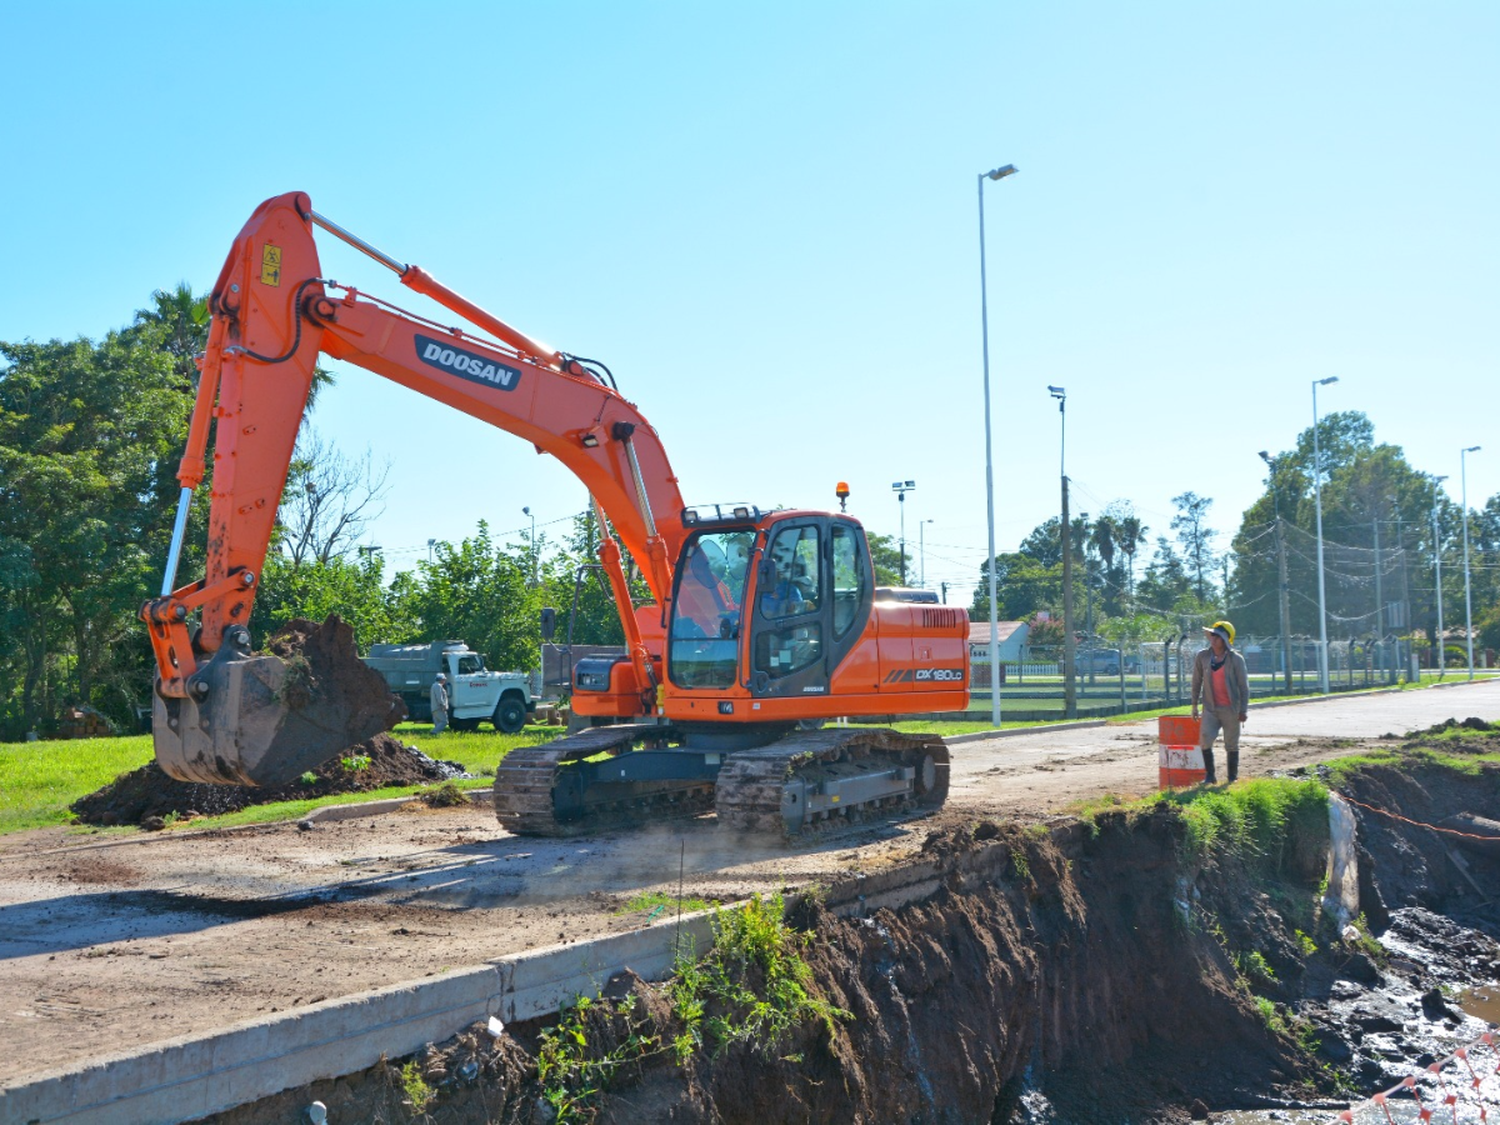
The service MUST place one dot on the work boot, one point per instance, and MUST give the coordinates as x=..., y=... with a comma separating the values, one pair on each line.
x=1234, y=765
x=1208, y=768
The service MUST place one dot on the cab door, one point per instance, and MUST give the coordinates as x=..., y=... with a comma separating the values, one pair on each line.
x=790, y=620
x=813, y=595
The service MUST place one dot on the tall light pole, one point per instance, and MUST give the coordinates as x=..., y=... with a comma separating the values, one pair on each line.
x=1318, y=494
x=534, y=559
x=431, y=543
x=901, y=488
x=1437, y=569
x=1286, y=609
x=922, y=547
x=1463, y=476
x=1070, y=687
x=989, y=459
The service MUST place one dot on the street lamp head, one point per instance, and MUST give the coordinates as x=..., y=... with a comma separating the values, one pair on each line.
x=1440, y=480
x=1325, y=382
x=1267, y=458
x=1001, y=173
x=1472, y=449
x=1057, y=392
x=526, y=511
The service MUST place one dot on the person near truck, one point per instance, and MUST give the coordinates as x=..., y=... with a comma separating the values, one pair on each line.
x=1220, y=683
x=439, y=697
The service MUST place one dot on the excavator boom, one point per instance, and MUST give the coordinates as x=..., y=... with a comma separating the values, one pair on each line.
x=221, y=713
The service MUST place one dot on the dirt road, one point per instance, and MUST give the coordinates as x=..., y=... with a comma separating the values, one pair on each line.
x=113, y=943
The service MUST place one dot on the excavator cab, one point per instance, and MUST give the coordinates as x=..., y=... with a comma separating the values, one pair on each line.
x=767, y=609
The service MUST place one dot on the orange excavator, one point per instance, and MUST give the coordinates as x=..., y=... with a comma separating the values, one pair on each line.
x=763, y=625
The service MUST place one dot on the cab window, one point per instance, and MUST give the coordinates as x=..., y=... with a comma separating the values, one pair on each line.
x=794, y=584
x=705, y=628
x=468, y=665
x=851, y=578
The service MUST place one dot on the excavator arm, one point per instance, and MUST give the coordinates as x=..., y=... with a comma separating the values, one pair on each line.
x=273, y=316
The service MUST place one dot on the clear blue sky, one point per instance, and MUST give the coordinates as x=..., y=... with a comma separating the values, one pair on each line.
x=764, y=220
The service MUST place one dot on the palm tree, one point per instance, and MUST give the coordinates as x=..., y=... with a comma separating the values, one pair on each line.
x=1130, y=534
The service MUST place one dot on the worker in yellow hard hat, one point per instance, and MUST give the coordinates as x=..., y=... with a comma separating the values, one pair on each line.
x=1220, y=682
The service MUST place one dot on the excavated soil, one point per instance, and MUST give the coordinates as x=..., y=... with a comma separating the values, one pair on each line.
x=329, y=672
x=147, y=796
x=324, y=671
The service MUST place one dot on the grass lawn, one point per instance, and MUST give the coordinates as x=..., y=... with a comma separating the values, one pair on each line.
x=39, y=780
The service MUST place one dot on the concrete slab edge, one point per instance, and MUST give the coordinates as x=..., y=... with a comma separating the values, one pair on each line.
x=193, y=1076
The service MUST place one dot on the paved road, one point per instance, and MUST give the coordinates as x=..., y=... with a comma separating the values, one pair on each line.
x=108, y=943
x=1045, y=771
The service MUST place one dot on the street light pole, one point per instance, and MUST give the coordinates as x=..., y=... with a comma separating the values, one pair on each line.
x=1318, y=494
x=901, y=488
x=1070, y=686
x=1463, y=475
x=1437, y=568
x=989, y=459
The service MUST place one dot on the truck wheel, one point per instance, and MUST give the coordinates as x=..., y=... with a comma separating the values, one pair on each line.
x=510, y=715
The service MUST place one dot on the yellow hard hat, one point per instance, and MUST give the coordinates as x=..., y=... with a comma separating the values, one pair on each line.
x=1223, y=628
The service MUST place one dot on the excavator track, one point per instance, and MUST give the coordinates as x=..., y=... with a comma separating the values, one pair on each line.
x=811, y=781
x=527, y=778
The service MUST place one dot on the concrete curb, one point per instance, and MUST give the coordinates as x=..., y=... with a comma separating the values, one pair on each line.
x=193, y=1076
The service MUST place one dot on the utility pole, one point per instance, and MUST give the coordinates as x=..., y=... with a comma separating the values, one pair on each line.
x=901, y=488
x=1284, y=587
x=1070, y=686
x=1437, y=577
x=1379, y=602
x=1286, y=608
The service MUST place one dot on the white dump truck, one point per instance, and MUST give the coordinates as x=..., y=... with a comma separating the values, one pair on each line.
x=475, y=694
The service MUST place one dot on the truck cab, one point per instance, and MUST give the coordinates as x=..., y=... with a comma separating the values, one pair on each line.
x=475, y=694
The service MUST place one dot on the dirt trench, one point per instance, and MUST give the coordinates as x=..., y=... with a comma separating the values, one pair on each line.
x=1059, y=959
x=1090, y=972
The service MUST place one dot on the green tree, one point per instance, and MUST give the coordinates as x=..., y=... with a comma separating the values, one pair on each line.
x=86, y=503
x=1166, y=588
x=885, y=555
x=480, y=593
x=1130, y=535
x=1022, y=585
x=1370, y=494
x=355, y=590
x=573, y=582
x=1193, y=532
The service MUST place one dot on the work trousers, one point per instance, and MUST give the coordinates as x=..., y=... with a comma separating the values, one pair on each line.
x=439, y=720
x=1215, y=719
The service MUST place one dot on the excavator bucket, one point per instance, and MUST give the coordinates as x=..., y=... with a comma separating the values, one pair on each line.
x=265, y=720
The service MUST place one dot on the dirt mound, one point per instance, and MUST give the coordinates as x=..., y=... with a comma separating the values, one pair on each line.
x=141, y=795
x=1470, y=723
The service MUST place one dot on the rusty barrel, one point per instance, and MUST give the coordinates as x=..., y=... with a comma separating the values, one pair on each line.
x=1181, y=762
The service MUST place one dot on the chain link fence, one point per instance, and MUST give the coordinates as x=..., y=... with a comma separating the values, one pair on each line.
x=1156, y=674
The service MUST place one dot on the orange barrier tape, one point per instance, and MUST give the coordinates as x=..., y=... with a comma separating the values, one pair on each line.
x=1420, y=824
x=1450, y=1098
